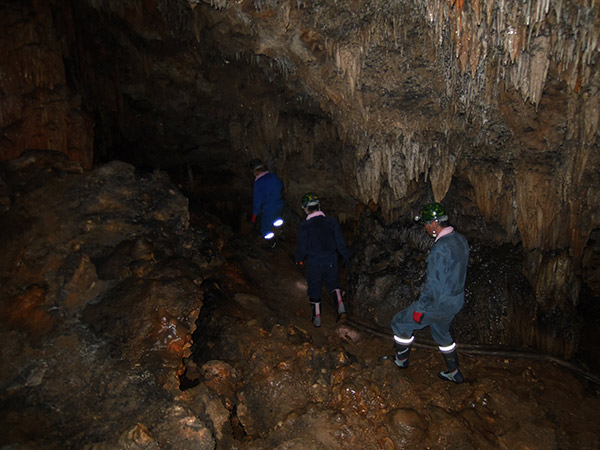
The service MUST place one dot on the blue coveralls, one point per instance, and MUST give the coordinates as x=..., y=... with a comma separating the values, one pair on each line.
x=267, y=201
x=443, y=295
x=320, y=239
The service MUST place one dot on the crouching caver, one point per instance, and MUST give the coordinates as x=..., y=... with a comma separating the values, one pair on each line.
x=320, y=239
x=442, y=296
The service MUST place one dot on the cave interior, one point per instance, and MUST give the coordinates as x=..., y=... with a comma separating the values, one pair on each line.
x=488, y=107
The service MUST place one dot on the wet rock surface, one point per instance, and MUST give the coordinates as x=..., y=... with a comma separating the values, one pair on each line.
x=101, y=280
x=128, y=322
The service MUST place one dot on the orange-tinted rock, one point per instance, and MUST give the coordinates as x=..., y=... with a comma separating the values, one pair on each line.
x=407, y=425
x=29, y=312
x=39, y=111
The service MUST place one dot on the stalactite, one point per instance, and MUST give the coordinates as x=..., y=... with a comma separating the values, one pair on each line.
x=494, y=195
x=591, y=112
x=368, y=174
x=348, y=62
x=514, y=30
x=441, y=173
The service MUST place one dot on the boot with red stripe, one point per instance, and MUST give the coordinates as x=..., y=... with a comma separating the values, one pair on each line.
x=339, y=305
x=315, y=304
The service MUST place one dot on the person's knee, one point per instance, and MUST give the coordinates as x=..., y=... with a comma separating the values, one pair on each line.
x=331, y=287
x=441, y=335
x=401, y=318
x=313, y=293
x=314, y=290
x=402, y=329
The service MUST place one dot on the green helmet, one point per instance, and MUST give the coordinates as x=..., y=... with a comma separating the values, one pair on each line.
x=310, y=199
x=256, y=164
x=431, y=212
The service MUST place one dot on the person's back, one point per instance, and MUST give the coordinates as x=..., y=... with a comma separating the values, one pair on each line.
x=457, y=249
x=320, y=238
x=267, y=200
x=447, y=271
x=267, y=193
x=317, y=238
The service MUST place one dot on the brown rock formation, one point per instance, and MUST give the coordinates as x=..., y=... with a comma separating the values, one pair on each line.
x=39, y=107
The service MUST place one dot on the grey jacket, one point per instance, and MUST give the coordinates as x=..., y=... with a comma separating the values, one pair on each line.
x=444, y=292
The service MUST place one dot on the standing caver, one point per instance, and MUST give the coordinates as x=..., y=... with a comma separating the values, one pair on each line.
x=442, y=296
x=320, y=240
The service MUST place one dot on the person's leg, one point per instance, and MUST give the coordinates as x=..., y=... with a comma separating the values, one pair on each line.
x=270, y=221
x=266, y=225
x=339, y=304
x=314, y=280
x=403, y=327
x=440, y=331
x=315, y=306
x=278, y=217
x=331, y=276
x=402, y=346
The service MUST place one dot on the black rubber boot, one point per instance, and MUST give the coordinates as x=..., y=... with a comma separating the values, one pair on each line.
x=315, y=304
x=453, y=373
x=338, y=304
x=402, y=354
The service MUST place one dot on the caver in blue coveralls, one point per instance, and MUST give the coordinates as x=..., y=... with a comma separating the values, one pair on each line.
x=443, y=295
x=320, y=239
x=267, y=201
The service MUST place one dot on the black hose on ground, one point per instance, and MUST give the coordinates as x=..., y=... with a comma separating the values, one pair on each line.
x=472, y=349
x=479, y=349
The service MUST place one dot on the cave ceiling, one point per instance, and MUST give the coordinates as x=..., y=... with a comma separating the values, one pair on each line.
x=490, y=106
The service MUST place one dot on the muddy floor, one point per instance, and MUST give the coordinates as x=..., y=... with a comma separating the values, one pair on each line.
x=332, y=388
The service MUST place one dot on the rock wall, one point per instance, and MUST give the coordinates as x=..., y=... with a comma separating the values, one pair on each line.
x=100, y=288
x=39, y=109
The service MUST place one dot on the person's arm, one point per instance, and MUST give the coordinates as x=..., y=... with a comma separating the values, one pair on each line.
x=340, y=242
x=435, y=279
x=302, y=241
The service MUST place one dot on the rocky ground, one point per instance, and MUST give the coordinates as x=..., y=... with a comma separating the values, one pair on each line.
x=128, y=322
